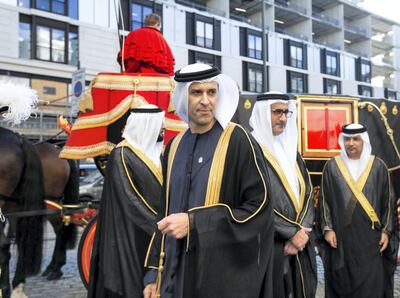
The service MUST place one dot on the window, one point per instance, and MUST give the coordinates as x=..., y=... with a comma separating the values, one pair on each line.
x=253, y=77
x=63, y=7
x=53, y=41
x=139, y=13
x=134, y=12
x=332, y=87
x=199, y=57
x=363, y=70
x=330, y=62
x=254, y=46
x=24, y=3
x=24, y=40
x=297, y=82
x=204, y=34
x=251, y=43
x=73, y=46
x=365, y=91
x=203, y=31
x=390, y=94
x=295, y=54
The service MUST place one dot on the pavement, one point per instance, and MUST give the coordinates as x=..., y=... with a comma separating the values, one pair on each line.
x=70, y=285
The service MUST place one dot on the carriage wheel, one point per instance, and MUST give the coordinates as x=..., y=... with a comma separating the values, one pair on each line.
x=85, y=251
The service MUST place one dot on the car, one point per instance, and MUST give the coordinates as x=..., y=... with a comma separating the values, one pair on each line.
x=86, y=169
x=91, y=187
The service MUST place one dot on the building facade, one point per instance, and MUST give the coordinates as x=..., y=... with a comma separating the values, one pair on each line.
x=309, y=46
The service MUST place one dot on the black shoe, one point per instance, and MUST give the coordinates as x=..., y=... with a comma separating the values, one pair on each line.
x=54, y=275
x=47, y=271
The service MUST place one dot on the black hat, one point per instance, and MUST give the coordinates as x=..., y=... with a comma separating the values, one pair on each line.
x=272, y=96
x=146, y=111
x=351, y=131
x=205, y=72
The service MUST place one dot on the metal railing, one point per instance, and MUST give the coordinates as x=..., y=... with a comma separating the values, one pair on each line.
x=202, y=7
x=37, y=125
x=291, y=6
x=248, y=21
x=326, y=19
x=356, y=30
x=293, y=34
x=325, y=43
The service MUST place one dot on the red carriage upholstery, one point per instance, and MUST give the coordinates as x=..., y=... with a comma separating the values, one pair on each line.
x=103, y=114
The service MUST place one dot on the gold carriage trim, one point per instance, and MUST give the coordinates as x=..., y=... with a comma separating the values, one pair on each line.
x=141, y=83
x=175, y=125
x=87, y=151
x=111, y=116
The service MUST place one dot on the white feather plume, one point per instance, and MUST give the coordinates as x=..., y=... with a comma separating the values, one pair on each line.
x=20, y=100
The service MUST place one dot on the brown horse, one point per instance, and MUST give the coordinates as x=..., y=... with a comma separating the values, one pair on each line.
x=61, y=184
x=28, y=175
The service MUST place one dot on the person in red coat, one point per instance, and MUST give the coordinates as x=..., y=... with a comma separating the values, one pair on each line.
x=146, y=51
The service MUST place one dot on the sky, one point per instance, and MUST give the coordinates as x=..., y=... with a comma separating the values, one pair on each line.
x=387, y=8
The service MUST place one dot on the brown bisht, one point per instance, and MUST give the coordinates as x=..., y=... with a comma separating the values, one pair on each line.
x=228, y=250
x=294, y=275
x=358, y=212
x=125, y=224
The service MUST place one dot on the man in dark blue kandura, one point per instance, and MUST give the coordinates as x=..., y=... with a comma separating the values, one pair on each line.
x=215, y=234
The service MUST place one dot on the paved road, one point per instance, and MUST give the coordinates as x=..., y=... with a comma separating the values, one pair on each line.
x=70, y=285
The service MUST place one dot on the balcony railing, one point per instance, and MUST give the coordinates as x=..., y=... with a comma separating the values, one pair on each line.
x=248, y=21
x=325, y=19
x=357, y=30
x=327, y=44
x=202, y=7
x=293, y=34
x=291, y=6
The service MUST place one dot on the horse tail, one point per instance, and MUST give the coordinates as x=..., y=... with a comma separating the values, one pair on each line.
x=29, y=232
x=71, y=196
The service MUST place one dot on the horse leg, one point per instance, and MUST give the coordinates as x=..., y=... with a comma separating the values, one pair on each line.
x=4, y=264
x=19, y=276
x=53, y=270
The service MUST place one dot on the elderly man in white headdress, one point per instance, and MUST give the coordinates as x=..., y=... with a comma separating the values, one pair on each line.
x=215, y=227
x=274, y=126
x=129, y=204
x=357, y=217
